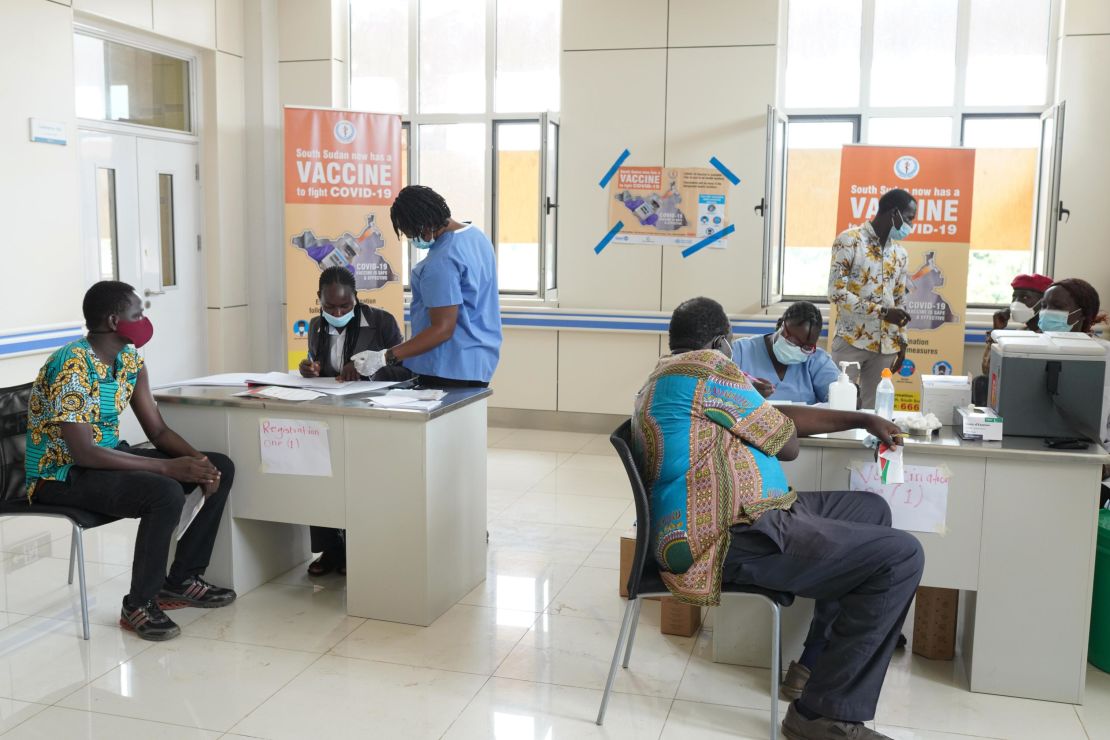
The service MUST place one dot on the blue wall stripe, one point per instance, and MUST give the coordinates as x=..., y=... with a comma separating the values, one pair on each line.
x=40, y=332
x=30, y=345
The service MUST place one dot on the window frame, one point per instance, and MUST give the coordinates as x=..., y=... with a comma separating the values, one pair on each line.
x=957, y=111
x=414, y=119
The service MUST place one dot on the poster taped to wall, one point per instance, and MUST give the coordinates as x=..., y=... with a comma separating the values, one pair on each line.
x=940, y=179
x=918, y=504
x=668, y=205
x=342, y=172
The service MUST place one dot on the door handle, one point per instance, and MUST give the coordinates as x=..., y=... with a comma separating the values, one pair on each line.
x=550, y=205
x=760, y=208
x=148, y=292
x=1065, y=214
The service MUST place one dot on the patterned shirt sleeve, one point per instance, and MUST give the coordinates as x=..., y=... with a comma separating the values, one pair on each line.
x=69, y=393
x=746, y=414
x=901, y=287
x=843, y=290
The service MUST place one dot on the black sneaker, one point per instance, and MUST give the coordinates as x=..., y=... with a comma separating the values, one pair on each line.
x=148, y=621
x=196, y=592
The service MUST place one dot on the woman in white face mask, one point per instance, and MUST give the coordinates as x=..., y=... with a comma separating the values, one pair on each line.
x=796, y=368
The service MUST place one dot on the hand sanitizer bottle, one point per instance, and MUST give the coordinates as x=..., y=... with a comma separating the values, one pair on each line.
x=842, y=393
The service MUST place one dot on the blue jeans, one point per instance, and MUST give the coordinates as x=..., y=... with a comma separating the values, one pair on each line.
x=156, y=501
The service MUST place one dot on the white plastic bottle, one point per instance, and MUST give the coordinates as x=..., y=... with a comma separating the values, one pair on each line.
x=884, y=396
x=842, y=392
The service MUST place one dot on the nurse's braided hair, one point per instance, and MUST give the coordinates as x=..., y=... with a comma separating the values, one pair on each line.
x=802, y=312
x=418, y=209
x=338, y=276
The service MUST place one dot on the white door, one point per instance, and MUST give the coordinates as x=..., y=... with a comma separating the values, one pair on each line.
x=140, y=224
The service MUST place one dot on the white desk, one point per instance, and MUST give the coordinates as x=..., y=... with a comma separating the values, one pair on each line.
x=1019, y=545
x=408, y=486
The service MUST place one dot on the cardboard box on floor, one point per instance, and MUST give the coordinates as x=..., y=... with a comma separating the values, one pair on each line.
x=675, y=618
x=934, y=623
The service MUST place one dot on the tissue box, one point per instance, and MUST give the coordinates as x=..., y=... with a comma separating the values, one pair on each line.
x=978, y=422
x=940, y=394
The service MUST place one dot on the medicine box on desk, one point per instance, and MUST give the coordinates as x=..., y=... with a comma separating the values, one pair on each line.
x=940, y=394
x=978, y=422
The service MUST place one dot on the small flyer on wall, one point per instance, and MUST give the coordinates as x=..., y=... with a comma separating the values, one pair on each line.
x=668, y=205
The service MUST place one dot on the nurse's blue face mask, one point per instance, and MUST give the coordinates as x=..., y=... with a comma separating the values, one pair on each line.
x=420, y=243
x=787, y=352
x=339, y=321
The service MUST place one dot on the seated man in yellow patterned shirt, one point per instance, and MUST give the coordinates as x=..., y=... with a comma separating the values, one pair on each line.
x=76, y=458
x=722, y=510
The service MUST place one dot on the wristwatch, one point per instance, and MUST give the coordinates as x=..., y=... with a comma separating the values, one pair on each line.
x=390, y=358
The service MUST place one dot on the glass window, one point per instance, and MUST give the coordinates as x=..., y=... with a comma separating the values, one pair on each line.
x=812, y=191
x=452, y=56
x=1007, y=54
x=923, y=131
x=823, y=53
x=914, y=59
x=527, y=56
x=517, y=188
x=165, y=229
x=106, y=223
x=453, y=162
x=998, y=132
x=380, y=75
x=115, y=82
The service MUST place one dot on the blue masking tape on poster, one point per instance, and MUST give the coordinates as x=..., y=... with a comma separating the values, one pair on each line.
x=608, y=237
x=613, y=170
x=724, y=171
x=708, y=240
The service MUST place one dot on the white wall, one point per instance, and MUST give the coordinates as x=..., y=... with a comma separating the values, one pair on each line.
x=1083, y=244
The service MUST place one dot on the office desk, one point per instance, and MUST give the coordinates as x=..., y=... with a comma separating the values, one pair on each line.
x=1019, y=544
x=408, y=486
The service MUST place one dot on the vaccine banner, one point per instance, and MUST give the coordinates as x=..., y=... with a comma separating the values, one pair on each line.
x=342, y=172
x=668, y=205
x=941, y=181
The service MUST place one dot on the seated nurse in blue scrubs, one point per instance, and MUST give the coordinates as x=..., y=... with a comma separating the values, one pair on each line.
x=788, y=361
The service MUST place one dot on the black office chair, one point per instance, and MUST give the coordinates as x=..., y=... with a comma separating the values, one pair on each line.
x=644, y=582
x=13, y=493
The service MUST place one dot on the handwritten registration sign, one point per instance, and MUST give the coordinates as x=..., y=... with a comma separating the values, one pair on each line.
x=295, y=447
x=920, y=504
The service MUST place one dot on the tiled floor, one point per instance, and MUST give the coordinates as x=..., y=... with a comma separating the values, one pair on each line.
x=523, y=655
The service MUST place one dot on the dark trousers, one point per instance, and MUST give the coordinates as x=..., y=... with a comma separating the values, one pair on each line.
x=838, y=548
x=156, y=501
x=433, y=381
x=328, y=539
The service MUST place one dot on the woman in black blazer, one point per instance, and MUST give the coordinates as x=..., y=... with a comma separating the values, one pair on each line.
x=344, y=328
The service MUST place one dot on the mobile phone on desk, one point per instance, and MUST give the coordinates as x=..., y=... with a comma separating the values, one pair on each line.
x=1065, y=443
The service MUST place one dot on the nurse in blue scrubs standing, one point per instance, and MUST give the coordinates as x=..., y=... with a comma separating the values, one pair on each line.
x=789, y=362
x=456, y=317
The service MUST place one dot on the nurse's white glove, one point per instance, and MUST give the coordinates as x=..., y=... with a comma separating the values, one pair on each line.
x=369, y=362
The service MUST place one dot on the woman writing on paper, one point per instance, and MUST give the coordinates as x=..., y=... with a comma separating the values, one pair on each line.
x=344, y=328
x=798, y=370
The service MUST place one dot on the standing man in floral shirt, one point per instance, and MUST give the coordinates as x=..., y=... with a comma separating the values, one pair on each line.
x=869, y=283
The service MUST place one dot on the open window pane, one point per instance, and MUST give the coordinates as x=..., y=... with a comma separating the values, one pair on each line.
x=404, y=183
x=115, y=82
x=823, y=53
x=527, y=56
x=1007, y=61
x=911, y=36
x=380, y=55
x=931, y=131
x=517, y=206
x=452, y=56
x=452, y=161
x=812, y=186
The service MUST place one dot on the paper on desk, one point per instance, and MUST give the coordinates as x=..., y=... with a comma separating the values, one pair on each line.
x=223, y=379
x=393, y=402
x=193, y=504
x=919, y=504
x=421, y=394
x=281, y=393
x=331, y=386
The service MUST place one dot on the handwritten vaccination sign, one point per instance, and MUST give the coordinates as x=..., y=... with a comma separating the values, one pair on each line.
x=920, y=504
x=295, y=447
